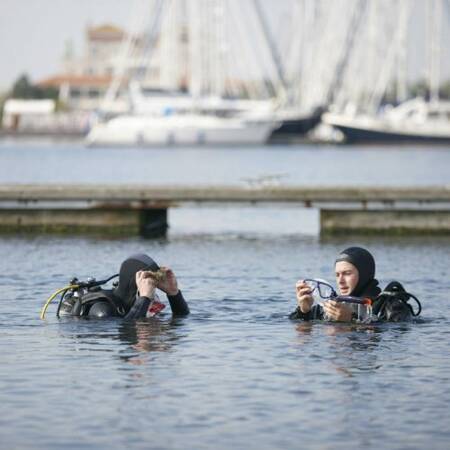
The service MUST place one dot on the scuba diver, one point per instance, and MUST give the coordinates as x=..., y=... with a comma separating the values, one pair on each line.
x=360, y=298
x=133, y=297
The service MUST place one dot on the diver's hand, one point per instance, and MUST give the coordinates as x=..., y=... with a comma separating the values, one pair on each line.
x=145, y=283
x=169, y=283
x=340, y=312
x=304, y=298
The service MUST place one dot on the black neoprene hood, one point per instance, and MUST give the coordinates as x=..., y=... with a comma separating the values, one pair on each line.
x=364, y=263
x=126, y=290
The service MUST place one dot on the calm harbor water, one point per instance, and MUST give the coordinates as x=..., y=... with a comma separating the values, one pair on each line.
x=236, y=373
x=296, y=164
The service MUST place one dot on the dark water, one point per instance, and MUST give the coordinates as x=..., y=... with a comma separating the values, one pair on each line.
x=236, y=373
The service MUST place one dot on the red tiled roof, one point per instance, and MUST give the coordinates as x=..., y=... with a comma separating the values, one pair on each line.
x=75, y=80
x=105, y=32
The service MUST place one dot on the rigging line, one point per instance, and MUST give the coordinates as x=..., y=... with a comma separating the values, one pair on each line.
x=381, y=85
x=120, y=64
x=152, y=37
x=250, y=55
x=435, y=50
x=272, y=49
x=331, y=22
x=350, y=40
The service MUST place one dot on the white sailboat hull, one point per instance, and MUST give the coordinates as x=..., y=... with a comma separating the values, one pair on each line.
x=132, y=130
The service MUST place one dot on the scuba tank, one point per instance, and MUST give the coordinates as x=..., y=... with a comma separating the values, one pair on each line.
x=392, y=304
x=78, y=297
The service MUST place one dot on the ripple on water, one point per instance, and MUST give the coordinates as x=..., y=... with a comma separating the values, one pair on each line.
x=236, y=372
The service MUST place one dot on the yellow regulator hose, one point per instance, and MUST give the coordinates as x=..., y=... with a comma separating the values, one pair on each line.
x=44, y=308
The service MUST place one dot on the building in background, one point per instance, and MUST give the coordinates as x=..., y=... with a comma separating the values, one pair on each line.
x=16, y=112
x=84, y=80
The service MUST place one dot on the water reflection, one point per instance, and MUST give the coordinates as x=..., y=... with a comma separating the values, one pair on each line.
x=304, y=329
x=136, y=337
x=148, y=335
x=354, y=348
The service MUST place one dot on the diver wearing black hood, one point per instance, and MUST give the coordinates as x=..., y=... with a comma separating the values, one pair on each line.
x=355, y=276
x=134, y=294
x=127, y=290
x=367, y=285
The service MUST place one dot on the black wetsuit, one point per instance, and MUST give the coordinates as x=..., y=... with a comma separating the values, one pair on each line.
x=139, y=308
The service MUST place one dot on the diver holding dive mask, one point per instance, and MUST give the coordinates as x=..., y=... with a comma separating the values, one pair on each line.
x=360, y=298
x=133, y=297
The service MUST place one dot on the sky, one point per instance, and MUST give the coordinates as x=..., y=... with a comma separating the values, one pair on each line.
x=34, y=33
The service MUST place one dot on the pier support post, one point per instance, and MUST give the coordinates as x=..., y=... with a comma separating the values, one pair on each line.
x=338, y=221
x=153, y=222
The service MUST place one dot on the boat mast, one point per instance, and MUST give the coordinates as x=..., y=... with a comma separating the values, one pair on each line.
x=346, y=50
x=300, y=51
x=194, y=41
x=121, y=64
x=280, y=79
x=134, y=56
x=170, y=59
x=388, y=66
x=218, y=48
x=244, y=55
x=434, y=35
x=402, y=52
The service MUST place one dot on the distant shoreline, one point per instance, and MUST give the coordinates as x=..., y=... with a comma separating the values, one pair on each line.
x=37, y=134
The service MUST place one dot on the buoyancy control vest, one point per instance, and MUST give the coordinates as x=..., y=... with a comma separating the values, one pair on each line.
x=103, y=301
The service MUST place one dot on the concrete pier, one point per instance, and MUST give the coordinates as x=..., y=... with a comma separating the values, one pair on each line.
x=168, y=195
x=339, y=221
x=142, y=210
x=118, y=221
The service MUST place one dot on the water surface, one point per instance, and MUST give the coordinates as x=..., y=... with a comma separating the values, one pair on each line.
x=236, y=373
x=296, y=164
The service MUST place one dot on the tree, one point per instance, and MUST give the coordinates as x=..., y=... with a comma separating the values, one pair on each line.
x=444, y=90
x=22, y=88
x=3, y=97
x=419, y=89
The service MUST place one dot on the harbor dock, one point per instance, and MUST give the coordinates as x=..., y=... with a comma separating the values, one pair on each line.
x=142, y=209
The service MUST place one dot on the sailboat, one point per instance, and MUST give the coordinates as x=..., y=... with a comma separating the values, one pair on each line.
x=416, y=120
x=179, y=129
x=186, y=35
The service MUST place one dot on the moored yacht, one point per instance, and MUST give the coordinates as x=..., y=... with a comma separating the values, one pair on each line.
x=179, y=129
x=414, y=120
